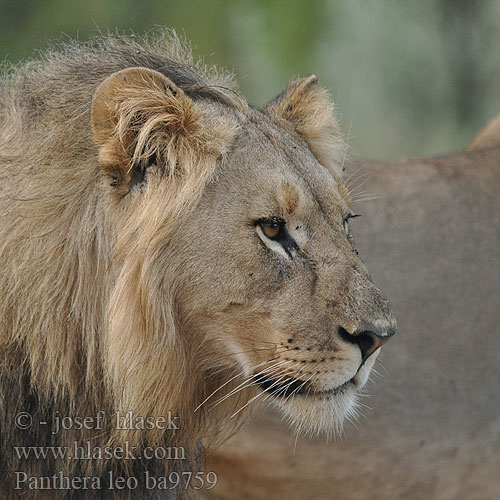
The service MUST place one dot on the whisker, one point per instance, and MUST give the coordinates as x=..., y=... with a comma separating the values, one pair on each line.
x=369, y=198
x=283, y=389
x=362, y=394
x=381, y=364
x=227, y=382
x=298, y=388
x=246, y=383
x=256, y=349
x=363, y=192
x=293, y=379
x=250, y=381
x=346, y=146
x=358, y=182
x=365, y=406
x=258, y=395
x=253, y=399
x=248, y=337
x=376, y=373
x=352, y=174
x=296, y=439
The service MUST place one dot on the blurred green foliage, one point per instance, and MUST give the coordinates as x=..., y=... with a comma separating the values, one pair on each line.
x=410, y=78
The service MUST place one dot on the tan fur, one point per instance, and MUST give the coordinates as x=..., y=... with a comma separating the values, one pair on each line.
x=136, y=276
x=308, y=107
x=290, y=198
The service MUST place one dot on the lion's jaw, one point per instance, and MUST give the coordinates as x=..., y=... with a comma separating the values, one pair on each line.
x=325, y=411
x=311, y=405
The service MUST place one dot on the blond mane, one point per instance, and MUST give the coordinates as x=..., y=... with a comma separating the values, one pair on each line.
x=59, y=320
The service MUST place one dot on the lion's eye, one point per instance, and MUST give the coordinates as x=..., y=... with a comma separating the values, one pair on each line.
x=348, y=231
x=346, y=221
x=274, y=234
x=271, y=229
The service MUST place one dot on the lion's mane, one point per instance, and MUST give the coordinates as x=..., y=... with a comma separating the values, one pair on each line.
x=64, y=279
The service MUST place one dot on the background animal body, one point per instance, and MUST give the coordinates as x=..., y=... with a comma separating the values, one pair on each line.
x=432, y=428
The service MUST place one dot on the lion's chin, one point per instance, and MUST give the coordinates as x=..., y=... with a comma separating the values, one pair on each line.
x=319, y=413
x=312, y=413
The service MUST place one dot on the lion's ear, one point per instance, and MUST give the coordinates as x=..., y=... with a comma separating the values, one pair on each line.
x=307, y=106
x=140, y=117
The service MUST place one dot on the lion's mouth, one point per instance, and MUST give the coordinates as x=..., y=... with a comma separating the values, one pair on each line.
x=295, y=387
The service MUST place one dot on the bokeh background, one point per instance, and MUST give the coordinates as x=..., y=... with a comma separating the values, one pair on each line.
x=409, y=78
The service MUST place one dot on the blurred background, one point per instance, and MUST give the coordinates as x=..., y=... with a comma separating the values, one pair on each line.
x=408, y=78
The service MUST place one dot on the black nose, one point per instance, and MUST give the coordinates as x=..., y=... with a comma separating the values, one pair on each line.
x=368, y=337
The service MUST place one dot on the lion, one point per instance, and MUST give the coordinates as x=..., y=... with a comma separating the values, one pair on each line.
x=171, y=256
x=431, y=430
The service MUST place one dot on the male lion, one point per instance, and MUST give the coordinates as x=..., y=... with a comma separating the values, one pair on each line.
x=171, y=254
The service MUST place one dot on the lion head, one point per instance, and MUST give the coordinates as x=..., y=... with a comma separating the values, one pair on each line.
x=235, y=235
x=198, y=254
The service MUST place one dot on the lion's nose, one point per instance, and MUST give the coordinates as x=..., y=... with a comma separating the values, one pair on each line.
x=369, y=337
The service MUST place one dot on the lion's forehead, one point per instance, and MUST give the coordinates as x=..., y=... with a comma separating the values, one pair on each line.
x=280, y=166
